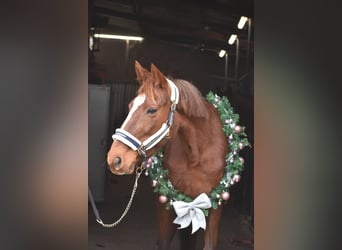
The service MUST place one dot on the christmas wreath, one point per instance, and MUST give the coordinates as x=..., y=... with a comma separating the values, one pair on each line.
x=237, y=140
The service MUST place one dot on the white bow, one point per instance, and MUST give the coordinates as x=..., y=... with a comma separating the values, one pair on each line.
x=188, y=212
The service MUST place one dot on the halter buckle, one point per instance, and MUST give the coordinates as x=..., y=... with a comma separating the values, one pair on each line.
x=173, y=106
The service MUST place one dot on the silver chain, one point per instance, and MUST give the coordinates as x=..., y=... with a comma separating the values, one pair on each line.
x=138, y=173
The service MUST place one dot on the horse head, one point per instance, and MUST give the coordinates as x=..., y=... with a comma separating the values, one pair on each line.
x=147, y=123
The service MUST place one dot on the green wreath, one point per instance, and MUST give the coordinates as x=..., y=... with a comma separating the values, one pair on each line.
x=237, y=140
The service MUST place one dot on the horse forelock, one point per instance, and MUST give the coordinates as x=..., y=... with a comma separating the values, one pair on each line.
x=158, y=96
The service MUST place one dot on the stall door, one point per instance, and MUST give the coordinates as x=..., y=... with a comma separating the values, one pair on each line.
x=98, y=118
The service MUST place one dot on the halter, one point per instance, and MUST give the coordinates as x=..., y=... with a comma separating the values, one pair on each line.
x=141, y=147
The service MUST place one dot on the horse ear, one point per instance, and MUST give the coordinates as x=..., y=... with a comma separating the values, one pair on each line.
x=158, y=77
x=142, y=73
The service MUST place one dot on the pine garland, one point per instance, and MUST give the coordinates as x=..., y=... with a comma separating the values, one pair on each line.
x=237, y=140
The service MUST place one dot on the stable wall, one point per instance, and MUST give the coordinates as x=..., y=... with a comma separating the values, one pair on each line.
x=203, y=68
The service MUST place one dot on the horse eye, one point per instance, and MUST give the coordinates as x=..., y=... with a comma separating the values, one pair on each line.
x=151, y=111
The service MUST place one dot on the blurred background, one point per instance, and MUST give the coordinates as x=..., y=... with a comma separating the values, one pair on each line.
x=209, y=43
x=44, y=106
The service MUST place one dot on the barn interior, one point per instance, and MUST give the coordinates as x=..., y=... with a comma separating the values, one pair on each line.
x=191, y=40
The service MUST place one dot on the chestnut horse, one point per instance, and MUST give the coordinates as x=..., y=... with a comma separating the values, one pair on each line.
x=178, y=118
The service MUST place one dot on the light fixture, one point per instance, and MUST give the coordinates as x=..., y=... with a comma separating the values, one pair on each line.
x=91, y=43
x=242, y=22
x=232, y=39
x=129, y=38
x=222, y=53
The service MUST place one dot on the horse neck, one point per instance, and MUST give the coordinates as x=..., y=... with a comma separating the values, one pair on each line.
x=195, y=143
x=189, y=137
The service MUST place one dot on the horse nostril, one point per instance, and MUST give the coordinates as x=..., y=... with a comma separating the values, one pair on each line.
x=117, y=163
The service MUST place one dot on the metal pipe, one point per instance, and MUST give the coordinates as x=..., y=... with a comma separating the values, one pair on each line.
x=126, y=58
x=248, y=41
x=226, y=72
x=236, y=58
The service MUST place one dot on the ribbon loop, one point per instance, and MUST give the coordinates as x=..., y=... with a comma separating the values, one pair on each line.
x=190, y=212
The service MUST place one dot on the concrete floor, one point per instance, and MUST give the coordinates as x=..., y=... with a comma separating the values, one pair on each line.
x=138, y=229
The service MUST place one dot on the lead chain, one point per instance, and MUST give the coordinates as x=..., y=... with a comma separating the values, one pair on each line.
x=138, y=173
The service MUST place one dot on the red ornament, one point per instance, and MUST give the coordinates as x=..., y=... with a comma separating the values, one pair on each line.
x=225, y=196
x=162, y=199
x=237, y=129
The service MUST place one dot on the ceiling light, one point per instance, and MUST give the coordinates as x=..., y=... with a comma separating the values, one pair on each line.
x=132, y=38
x=222, y=53
x=232, y=39
x=91, y=43
x=242, y=22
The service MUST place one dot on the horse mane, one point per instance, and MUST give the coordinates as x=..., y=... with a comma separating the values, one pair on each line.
x=191, y=101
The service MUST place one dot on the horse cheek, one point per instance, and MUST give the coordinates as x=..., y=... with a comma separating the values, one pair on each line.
x=153, y=125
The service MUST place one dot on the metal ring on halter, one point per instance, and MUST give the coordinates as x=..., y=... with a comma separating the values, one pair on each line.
x=142, y=151
x=140, y=169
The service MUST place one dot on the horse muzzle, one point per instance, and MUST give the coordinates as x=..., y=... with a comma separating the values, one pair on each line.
x=117, y=167
x=121, y=162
